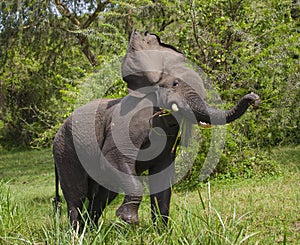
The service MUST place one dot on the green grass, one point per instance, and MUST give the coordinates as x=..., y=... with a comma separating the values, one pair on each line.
x=250, y=211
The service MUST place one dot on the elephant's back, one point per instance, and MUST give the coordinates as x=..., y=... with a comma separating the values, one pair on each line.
x=86, y=125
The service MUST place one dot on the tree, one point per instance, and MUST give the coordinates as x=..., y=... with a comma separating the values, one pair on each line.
x=37, y=61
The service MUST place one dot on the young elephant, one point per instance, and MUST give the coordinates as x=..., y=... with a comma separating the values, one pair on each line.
x=104, y=146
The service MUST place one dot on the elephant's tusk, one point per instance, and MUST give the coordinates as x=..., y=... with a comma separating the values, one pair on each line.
x=174, y=107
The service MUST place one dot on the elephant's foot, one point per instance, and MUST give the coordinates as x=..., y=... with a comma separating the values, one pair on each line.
x=128, y=211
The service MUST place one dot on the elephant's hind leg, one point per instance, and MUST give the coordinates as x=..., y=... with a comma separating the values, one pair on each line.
x=74, y=184
x=75, y=209
x=99, y=197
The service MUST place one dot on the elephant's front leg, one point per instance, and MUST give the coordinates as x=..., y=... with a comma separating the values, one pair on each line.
x=126, y=179
x=161, y=178
x=128, y=211
x=160, y=204
x=133, y=190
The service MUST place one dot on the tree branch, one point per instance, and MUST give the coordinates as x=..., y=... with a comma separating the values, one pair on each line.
x=83, y=40
x=100, y=7
x=129, y=24
x=64, y=11
x=165, y=24
x=195, y=32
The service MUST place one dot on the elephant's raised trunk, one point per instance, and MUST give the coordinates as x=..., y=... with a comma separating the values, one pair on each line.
x=219, y=117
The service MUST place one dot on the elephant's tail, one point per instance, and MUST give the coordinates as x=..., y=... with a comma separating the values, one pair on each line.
x=57, y=199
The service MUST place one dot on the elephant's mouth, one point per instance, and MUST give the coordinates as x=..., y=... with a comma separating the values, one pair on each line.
x=175, y=108
x=204, y=125
x=165, y=112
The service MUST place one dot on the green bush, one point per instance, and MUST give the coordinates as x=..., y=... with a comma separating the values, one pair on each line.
x=242, y=46
x=238, y=159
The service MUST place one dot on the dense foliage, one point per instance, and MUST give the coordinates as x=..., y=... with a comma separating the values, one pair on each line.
x=56, y=55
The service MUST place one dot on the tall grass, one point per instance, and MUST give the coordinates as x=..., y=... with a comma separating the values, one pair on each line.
x=201, y=224
x=250, y=211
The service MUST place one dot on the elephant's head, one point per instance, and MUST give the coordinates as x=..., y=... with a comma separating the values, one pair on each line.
x=151, y=63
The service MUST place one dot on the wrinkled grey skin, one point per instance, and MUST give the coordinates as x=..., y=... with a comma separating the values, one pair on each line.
x=174, y=84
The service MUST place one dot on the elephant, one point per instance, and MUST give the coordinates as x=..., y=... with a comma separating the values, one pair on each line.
x=105, y=145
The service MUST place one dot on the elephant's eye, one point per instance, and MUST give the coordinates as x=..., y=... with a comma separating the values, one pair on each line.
x=175, y=83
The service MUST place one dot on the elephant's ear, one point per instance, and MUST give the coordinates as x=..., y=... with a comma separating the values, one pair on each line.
x=146, y=59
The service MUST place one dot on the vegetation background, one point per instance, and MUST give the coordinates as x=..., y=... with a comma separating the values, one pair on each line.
x=57, y=54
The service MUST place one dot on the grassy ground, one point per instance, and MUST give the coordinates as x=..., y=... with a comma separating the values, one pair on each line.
x=250, y=211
